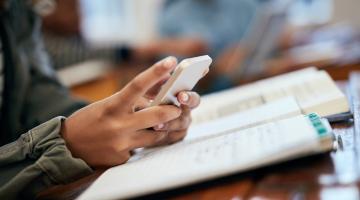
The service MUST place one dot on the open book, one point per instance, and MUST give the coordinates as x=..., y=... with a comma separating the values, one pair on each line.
x=313, y=90
x=300, y=92
x=263, y=132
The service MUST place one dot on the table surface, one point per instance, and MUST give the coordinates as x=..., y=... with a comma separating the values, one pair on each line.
x=325, y=176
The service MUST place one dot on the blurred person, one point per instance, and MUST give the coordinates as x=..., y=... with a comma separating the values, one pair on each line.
x=40, y=146
x=210, y=26
x=247, y=59
x=220, y=23
x=65, y=45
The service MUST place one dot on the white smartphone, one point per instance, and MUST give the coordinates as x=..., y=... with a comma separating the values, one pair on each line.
x=185, y=76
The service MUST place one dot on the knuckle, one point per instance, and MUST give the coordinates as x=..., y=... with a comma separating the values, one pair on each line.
x=176, y=136
x=158, y=70
x=175, y=112
x=119, y=147
x=115, y=127
x=123, y=158
x=162, y=116
x=178, y=112
x=136, y=84
x=182, y=123
x=185, y=122
x=108, y=108
x=186, y=110
x=122, y=96
x=114, y=148
x=154, y=140
x=126, y=156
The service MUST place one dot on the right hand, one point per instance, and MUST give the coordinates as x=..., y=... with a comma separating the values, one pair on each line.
x=105, y=132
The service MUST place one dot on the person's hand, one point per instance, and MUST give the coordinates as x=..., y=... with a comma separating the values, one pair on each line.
x=175, y=129
x=104, y=133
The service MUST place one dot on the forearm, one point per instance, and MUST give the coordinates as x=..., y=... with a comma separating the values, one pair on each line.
x=37, y=160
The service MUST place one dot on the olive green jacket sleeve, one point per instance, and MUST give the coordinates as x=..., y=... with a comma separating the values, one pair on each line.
x=37, y=160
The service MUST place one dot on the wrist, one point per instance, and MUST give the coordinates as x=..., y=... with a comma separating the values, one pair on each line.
x=64, y=133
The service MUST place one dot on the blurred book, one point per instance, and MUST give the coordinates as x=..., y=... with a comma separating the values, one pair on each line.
x=325, y=46
x=319, y=52
x=83, y=72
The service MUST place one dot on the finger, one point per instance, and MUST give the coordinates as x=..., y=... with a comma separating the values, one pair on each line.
x=141, y=104
x=152, y=92
x=147, y=138
x=171, y=137
x=144, y=81
x=180, y=123
x=189, y=98
x=152, y=116
x=175, y=136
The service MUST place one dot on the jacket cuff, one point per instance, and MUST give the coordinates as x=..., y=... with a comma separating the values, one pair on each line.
x=54, y=158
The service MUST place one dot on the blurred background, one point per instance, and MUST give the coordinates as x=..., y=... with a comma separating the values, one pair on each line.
x=92, y=40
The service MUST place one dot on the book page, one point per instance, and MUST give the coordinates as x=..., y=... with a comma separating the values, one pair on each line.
x=275, y=110
x=272, y=111
x=249, y=90
x=316, y=93
x=313, y=91
x=209, y=158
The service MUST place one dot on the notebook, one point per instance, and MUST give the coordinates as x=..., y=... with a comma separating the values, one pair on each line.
x=192, y=162
x=240, y=129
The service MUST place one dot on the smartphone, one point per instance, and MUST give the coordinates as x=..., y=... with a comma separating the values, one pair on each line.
x=185, y=76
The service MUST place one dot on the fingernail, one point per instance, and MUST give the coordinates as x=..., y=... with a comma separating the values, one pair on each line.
x=160, y=126
x=184, y=97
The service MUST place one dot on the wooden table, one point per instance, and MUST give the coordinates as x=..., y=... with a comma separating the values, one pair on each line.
x=333, y=175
